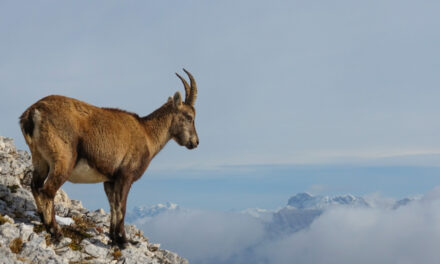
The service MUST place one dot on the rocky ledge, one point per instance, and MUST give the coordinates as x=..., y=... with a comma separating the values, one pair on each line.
x=23, y=238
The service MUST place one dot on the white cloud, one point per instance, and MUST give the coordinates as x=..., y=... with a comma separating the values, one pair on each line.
x=409, y=234
x=204, y=236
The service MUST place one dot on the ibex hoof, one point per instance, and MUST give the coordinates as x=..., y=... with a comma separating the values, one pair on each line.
x=120, y=244
x=124, y=245
x=56, y=238
x=55, y=233
x=134, y=243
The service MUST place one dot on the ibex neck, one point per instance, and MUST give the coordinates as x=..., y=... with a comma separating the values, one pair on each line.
x=157, y=125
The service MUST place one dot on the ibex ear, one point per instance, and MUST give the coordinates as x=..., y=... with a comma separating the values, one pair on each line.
x=177, y=100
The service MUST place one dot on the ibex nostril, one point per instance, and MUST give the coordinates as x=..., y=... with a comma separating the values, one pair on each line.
x=197, y=141
x=190, y=145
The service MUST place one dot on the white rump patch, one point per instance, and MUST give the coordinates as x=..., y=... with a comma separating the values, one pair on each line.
x=37, y=121
x=83, y=173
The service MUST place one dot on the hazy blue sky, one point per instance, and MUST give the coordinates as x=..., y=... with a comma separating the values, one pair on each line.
x=332, y=83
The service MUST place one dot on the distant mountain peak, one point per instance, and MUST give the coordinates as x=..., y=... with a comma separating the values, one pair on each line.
x=308, y=201
x=151, y=211
x=300, y=199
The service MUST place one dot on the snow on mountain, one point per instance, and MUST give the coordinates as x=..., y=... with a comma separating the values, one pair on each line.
x=404, y=202
x=145, y=212
x=307, y=201
x=302, y=209
x=262, y=214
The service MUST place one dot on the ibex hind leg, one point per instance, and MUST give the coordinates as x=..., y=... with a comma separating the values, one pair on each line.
x=39, y=175
x=61, y=165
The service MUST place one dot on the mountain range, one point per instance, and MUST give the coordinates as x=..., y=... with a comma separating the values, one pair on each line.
x=301, y=210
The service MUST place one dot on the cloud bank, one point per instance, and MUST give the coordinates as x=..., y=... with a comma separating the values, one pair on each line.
x=205, y=236
x=408, y=234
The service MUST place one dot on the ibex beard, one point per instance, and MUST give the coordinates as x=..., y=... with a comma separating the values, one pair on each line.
x=74, y=141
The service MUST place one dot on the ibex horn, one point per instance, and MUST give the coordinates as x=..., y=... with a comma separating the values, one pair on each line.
x=193, y=92
x=186, y=85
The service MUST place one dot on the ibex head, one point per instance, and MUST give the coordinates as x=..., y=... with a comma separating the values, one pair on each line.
x=183, y=128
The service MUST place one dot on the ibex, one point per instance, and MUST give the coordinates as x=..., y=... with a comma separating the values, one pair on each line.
x=71, y=140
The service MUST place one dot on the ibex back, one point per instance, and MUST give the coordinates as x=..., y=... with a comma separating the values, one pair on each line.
x=71, y=140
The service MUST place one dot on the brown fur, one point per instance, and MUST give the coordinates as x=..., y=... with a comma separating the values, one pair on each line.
x=72, y=140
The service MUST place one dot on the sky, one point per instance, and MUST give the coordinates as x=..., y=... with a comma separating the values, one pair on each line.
x=325, y=97
x=348, y=89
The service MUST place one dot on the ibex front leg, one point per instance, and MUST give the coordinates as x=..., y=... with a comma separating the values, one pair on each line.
x=109, y=190
x=117, y=193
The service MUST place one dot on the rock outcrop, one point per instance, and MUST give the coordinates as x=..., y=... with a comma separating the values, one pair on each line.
x=23, y=238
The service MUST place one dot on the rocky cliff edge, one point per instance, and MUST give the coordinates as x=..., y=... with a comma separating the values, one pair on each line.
x=23, y=238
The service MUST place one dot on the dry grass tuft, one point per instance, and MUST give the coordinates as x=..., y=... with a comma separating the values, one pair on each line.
x=16, y=245
x=39, y=228
x=22, y=259
x=75, y=246
x=117, y=254
x=99, y=229
x=78, y=231
x=4, y=220
x=83, y=223
x=48, y=239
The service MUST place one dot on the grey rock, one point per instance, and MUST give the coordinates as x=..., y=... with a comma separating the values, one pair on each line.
x=3, y=207
x=94, y=249
x=9, y=181
x=4, y=190
x=25, y=231
x=76, y=204
x=22, y=200
x=8, y=232
x=37, y=251
x=61, y=210
x=153, y=247
x=62, y=199
x=16, y=201
x=99, y=216
x=71, y=255
x=36, y=240
x=65, y=241
x=35, y=248
x=7, y=257
x=100, y=211
x=133, y=233
x=173, y=257
x=74, y=212
x=130, y=255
